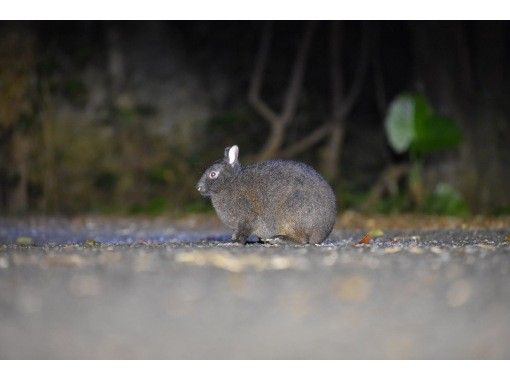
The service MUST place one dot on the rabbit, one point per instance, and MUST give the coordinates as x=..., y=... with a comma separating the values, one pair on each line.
x=276, y=199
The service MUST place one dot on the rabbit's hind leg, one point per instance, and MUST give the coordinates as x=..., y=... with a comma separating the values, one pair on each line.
x=293, y=234
x=317, y=237
x=296, y=238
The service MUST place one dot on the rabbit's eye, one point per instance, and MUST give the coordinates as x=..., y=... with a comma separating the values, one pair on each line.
x=213, y=174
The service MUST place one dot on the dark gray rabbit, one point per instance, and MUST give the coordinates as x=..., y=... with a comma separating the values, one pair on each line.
x=270, y=199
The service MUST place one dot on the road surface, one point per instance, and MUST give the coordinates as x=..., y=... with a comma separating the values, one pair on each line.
x=97, y=288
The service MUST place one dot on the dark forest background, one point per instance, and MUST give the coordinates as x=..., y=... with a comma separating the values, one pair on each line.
x=123, y=117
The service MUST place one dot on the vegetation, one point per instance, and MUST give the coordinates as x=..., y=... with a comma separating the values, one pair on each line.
x=412, y=126
x=95, y=119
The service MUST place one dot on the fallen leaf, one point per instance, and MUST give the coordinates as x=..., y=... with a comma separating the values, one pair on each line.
x=365, y=239
x=507, y=237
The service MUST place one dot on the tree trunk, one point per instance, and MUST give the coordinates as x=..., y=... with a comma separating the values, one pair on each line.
x=331, y=156
x=47, y=125
x=486, y=141
x=20, y=159
x=469, y=81
x=279, y=121
x=273, y=143
x=342, y=103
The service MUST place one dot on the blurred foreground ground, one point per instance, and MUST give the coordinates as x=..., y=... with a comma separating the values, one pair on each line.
x=135, y=288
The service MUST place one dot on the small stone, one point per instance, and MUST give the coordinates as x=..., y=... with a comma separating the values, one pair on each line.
x=24, y=241
x=91, y=243
x=376, y=232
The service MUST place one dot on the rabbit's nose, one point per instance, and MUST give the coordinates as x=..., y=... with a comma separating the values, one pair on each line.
x=199, y=188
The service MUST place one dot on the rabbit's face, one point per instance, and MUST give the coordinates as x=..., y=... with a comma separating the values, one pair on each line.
x=219, y=174
x=213, y=179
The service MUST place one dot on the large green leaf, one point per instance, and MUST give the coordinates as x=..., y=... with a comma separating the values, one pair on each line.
x=407, y=114
x=411, y=125
x=436, y=134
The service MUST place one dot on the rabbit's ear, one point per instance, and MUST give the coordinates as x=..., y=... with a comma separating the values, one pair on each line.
x=232, y=154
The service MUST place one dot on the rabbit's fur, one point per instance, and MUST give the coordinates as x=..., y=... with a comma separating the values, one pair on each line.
x=270, y=199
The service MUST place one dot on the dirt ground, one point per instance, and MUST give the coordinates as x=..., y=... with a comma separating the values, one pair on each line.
x=90, y=287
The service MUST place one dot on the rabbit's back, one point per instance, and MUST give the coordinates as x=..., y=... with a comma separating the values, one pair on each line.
x=290, y=199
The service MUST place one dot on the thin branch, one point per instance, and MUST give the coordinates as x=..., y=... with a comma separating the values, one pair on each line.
x=313, y=138
x=258, y=75
x=336, y=98
x=359, y=77
x=387, y=181
x=280, y=122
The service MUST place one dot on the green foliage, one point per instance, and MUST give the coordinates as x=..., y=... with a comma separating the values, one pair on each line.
x=393, y=205
x=157, y=206
x=446, y=200
x=504, y=210
x=199, y=206
x=105, y=181
x=76, y=92
x=350, y=199
x=355, y=199
x=24, y=241
x=412, y=125
x=438, y=133
x=407, y=113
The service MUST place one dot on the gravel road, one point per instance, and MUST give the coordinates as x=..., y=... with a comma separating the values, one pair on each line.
x=97, y=288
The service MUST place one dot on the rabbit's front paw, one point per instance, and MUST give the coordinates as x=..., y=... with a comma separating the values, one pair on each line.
x=239, y=239
x=242, y=234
